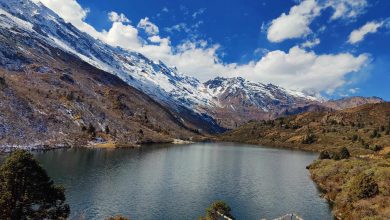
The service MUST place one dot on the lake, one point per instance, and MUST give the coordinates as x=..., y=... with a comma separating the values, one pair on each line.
x=181, y=181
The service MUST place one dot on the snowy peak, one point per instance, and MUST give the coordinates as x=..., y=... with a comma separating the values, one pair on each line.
x=257, y=94
x=240, y=100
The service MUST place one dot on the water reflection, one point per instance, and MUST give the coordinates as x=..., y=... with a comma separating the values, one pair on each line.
x=179, y=182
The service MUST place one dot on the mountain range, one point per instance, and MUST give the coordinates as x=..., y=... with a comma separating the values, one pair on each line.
x=56, y=82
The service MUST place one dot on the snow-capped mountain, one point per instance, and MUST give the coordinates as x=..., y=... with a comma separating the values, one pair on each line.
x=228, y=90
x=244, y=100
x=184, y=95
x=221, y=101
x=154, y=78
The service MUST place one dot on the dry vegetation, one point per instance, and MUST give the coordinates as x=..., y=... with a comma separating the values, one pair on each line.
x=363, y=130
x=359, y=186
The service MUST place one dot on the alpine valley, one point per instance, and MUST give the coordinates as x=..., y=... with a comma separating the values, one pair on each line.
x=60, y=87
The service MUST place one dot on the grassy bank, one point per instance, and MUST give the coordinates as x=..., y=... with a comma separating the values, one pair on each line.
x=359, y=188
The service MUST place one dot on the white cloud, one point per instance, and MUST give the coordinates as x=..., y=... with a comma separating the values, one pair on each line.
x=296, y=69
x=178, y=27
x=311, y=43
x=305, y=70
x=115, y=17
x=148, y=26
x=353, y=90
x=165, y=9
x=358, y=35
x=198, y=12
x=121, y=35
x=296, y=24
x=71, y=12
x=346, y=9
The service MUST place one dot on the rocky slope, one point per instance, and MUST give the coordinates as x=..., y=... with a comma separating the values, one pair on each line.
x=35, y=25
x=50, y=97
x=72, y=103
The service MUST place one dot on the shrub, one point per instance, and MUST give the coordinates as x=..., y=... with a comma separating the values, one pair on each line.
x=354, y=138
x=324, y=155
x=309, y=139
x=91, y=130
x=217, y=209
x=376, y=148
x=335, y=156
x=363, y=186
x=344, y=153
x=70, y=96
x=3, y=84
x=375, y=134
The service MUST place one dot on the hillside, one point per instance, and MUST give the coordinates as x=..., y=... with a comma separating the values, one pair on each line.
x=38, y=30
x=359, y=187
x=361, y=129
x=60, y=101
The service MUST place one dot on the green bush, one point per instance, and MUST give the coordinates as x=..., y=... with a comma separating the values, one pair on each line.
x=375, y=134
x=217, y=209
x=324, y=155
x=335, y=156
x=344, y=153
x=309, y=139
x=363, y=186
x=376, y=148
x=118, y=217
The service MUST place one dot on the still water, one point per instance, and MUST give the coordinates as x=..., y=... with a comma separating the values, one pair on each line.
x=180, y=181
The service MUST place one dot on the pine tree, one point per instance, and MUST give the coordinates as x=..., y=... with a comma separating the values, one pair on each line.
x=26, y=191
x=217, y=210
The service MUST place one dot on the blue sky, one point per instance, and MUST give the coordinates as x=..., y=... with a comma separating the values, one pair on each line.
x=256, y=39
